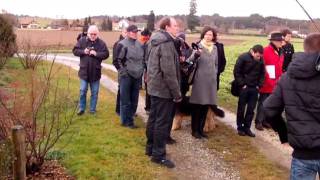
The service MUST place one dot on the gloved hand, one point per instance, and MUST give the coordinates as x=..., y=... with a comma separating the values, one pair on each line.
x=197, y=54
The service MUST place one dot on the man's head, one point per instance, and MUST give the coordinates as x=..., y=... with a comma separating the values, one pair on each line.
x=312, y=43
x=287, y=34
x=257, y=52
x=276, y=39
x=170, y=25
x=145, y=35
x=93, y=32
x=132, y=31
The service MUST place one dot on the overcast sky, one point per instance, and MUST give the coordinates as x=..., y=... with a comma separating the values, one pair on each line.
x=78, y=9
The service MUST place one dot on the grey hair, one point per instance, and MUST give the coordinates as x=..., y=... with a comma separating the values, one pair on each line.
x=93, y=28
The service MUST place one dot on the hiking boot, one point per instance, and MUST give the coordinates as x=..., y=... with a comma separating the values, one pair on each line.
x=259, y=126
x=171, y=141
x=196, y=135
x=241, y=133
x=80, y=112
x=204, y=135
x=132, y=126
x=250, y=133
x=266, y=125
x=164, y=162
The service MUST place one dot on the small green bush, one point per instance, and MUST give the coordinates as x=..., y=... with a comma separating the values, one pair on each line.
x=7, y=41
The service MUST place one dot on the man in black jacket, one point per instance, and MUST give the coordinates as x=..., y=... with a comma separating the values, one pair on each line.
x=288, y=49
x=298, y=94
x=249, y=75
x=91, y=51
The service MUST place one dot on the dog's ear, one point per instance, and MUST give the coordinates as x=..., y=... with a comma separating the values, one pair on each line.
x=195, y=46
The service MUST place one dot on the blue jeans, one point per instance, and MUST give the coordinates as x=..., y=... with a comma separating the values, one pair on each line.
x=304, y=169
x=94, y=88
x=129, y=95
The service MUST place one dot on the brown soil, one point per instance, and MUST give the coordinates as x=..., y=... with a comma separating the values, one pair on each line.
x=67, y=39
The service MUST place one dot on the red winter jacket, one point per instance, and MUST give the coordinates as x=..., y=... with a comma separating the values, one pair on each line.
x=273, y=61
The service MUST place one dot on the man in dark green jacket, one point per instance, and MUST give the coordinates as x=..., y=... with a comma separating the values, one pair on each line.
x=163, y=79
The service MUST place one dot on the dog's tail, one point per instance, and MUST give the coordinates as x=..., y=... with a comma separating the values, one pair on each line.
x=219, y=112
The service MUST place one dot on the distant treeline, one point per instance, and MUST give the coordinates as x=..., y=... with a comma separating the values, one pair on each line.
x=253, y=23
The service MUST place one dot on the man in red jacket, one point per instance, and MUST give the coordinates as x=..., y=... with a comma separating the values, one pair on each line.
x=273, y=61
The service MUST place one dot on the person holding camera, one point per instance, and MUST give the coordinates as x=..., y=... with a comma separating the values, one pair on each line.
x=92, y=51
x=204, y=86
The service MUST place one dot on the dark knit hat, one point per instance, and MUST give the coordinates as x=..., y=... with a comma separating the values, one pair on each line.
x=146, y=32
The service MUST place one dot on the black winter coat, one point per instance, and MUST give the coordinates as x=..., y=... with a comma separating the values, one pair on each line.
x=288, y=52
x=248, y=71
x=90, y=66
x=221, y=61
x=298, y=93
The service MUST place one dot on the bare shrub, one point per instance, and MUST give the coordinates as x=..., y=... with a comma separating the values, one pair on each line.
x=31, y=54
x=44, y=108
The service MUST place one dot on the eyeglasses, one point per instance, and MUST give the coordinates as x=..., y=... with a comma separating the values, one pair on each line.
x=92, y=34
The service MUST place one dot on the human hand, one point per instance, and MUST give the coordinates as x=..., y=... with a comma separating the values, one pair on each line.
x=245, y=86
x=93, y=52
x=176, y=100
x=197, y=54
x=86, y=50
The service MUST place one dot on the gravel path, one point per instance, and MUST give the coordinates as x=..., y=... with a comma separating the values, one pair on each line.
x=192, y=158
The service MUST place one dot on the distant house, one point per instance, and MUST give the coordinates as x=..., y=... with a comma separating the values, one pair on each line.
x=141, y=26
x=26, y=23
x=122, y=24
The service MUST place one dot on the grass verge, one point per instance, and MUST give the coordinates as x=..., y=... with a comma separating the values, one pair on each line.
x=239, y=152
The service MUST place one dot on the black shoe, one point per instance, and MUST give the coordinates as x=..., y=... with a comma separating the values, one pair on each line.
x=80, y=112
x=196, y=135
x=164, y=162
x=132, y=126
x=266, y=125
x=124, y=125
x=259, y=126
x=204, y=135
x=250, y=133
x=171, y=141
x=241, y=133
x=148, y=153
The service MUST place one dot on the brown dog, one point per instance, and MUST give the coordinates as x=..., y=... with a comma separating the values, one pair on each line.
x=184, y=109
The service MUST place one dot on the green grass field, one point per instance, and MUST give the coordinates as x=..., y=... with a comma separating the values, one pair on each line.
x=232, y=52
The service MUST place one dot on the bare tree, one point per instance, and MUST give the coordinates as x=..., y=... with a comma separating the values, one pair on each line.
x=31, y=55
x=44, y=108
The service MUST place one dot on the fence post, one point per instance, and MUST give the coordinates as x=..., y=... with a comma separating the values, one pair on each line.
x=19, y=164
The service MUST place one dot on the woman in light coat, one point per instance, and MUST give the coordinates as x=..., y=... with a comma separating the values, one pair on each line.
x=204, y=87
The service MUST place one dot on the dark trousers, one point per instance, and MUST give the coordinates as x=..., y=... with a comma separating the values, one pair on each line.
x=148, y=100
x=129, y=96
x=159, y=122
x=260, y=112
x=246, y=104
x=198, y=117
x=118, y=101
